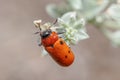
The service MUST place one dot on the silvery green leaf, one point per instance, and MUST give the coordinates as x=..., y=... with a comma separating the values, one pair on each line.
x=89, y=4
x=75, y=31
x=75, y=4
x=111, y=24
x=96, y=10
x=52, y=10
x=83, y=34
x=99, y=19
x=62, y=23
x=68, y=17
x=57, y=11
x=79, y=23
x=115, y=38
x=114, y=12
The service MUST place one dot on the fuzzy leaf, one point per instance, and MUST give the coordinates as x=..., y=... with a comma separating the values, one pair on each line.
x=115, y=38
x=75, y=31
x=75, y=4
x=114, y=11
x=52, y=10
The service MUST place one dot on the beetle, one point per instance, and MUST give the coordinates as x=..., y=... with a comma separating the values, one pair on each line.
x=56, y=46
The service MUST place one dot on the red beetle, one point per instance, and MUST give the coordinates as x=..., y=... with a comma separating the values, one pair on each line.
x=56, y=47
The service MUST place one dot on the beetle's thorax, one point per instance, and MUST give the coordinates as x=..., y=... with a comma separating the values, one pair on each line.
x=45, y=34
x=49, y=38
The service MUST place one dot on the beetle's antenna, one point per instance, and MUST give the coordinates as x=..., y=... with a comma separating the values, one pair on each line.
x=55, y=22
x=37, y=24
x=39, y=27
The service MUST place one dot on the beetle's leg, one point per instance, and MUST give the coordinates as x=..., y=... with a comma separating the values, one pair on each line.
x=40, y=44
x=55, y=22
x=60, y=30
x=60, y=33
x=39, y=41
x=36, y=32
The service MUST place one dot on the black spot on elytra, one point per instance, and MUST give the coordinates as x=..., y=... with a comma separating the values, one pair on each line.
x=52, y=46
x=69, y=51
x=66, y=56
x=61, y=42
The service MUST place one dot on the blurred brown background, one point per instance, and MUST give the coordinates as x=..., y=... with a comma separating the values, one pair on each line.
x=20, y=57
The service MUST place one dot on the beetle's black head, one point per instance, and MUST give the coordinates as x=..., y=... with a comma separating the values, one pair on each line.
x=46, y=33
